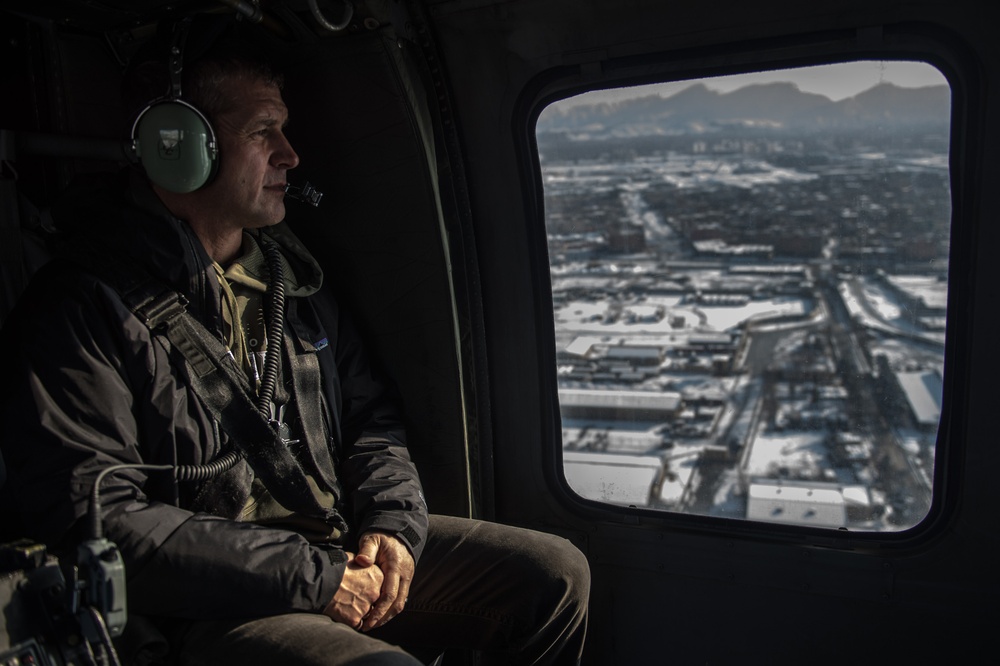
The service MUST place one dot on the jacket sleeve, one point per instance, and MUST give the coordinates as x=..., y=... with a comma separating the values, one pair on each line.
x=382, y=481
x=79, y=397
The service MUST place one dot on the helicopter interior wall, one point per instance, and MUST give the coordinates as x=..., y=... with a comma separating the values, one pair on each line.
x=378, y=233
x=57, y=85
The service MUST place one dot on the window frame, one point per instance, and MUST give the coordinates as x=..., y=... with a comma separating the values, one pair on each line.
x=917, y=42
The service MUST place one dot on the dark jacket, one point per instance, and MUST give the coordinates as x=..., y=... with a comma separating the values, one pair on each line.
x=86, y=386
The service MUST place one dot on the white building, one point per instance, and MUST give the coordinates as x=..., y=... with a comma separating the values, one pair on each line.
x=797, y=503
x=923, y=391
x=618, y=405
x=616, y=479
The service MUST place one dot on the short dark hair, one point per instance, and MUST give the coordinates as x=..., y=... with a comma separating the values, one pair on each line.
x=147, y=78
x=203, y=86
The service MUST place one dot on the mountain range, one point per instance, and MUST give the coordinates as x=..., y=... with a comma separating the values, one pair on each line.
x=773, y=106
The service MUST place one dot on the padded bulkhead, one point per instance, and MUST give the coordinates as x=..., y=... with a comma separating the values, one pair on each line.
x=359, y=124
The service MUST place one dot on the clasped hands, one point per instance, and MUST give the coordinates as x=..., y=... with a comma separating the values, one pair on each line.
x=376, y=583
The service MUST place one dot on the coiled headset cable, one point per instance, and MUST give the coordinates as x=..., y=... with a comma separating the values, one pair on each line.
x=272, y=365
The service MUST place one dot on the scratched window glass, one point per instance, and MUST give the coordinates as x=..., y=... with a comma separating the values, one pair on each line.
x=749, y=279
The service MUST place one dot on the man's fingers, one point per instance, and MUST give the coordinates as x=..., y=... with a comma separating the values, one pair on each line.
x=391, y=556
x=404, y=594
x=399, y=604
x=367, y=551
x=388, y=606
x=379, y=613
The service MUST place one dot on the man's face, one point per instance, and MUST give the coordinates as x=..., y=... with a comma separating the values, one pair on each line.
x=249, y=189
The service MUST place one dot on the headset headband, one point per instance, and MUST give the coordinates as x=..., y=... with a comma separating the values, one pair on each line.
x=175, y=60
x=173, y=140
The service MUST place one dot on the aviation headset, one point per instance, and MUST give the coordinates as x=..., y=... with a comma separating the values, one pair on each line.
x=172, y=140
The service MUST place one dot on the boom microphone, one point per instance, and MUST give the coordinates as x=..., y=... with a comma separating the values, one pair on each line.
x=306, y=193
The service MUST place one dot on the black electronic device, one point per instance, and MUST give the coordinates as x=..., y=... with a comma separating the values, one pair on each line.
x=56, y=614
x=307, y=193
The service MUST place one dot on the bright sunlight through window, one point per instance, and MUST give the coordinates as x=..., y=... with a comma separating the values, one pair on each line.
x=749, y=276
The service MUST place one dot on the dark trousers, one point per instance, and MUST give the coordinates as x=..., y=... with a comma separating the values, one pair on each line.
x=517, y=595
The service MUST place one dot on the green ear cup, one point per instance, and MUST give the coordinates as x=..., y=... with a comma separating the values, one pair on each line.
x=176, y=145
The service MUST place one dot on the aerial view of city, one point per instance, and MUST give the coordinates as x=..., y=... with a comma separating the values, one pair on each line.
x=749, y=293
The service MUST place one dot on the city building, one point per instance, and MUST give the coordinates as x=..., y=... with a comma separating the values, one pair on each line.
x=618, y=405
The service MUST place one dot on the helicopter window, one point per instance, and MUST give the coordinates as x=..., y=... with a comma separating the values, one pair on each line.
x=749, y=280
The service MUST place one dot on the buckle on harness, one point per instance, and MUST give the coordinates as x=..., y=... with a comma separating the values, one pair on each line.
x=162, y=309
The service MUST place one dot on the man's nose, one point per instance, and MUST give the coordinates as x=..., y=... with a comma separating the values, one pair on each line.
x=284, y=156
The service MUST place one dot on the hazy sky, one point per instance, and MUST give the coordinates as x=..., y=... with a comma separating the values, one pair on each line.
x=834, y=81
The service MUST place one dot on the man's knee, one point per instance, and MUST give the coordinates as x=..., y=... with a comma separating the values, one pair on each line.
x=558, y=576
x=551, y=572
x=563, y=570
x=501, y=589
x=533, y=560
